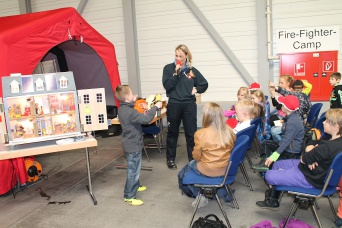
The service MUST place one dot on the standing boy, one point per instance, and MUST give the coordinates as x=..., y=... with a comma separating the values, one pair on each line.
x=336, y=93
x=132, y=139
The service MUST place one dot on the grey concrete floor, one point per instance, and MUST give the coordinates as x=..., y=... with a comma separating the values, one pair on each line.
x=164, y=205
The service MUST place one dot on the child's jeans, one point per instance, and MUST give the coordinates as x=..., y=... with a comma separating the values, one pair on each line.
x=133, y=173
x=276, y=133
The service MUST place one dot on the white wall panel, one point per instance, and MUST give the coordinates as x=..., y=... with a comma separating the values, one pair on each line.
x=9, y=8
x=162, y=25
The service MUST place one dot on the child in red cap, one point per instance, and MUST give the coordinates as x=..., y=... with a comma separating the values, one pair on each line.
x=292, y=136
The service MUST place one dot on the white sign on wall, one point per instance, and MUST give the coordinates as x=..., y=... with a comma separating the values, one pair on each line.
x=311, y=39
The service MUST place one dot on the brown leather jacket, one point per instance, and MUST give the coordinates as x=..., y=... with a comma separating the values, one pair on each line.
x=211, y=158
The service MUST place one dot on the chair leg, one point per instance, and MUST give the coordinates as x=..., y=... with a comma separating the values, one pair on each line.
x=223, y=212
x=148, y=158
x=314, y=212
x=332, y=208
x=193, y=214
x=231, y=195
x=294, y=207
x=245, y=176
x=249, y=162
x=157, y=142
x=280, y=196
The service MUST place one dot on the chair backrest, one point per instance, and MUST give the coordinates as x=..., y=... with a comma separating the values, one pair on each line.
x=256, y=121
x=250, y=132
x=313, y=113
x=239, y=150
x=319, y=123
x=335, y=171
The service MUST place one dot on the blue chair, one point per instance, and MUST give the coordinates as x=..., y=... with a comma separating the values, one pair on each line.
x=209, y=186
x=250, y=132
x=154, y=131
x=307, y=196
x=313, y=115
x=256, y=142
x=319, y=123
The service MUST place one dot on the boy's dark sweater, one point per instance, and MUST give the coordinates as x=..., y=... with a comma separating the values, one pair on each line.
x=335, y=97
x=131, y=121
x=323, y=154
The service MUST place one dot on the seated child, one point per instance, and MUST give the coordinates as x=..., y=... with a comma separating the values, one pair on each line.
x=214, y=143
x=264, y=129
x=293, y=134
x=242, y=93
x=302, y=86
x=311, y=169
x=132, y=140
x=244, y=109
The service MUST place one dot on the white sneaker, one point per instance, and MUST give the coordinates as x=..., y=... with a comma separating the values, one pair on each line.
x=203, y=201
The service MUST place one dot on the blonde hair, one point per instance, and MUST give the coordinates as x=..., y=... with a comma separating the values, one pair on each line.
x=334, y=116
x=289, y=79
x=187, y=52
x=258, y=111
x=247, y=105
x=213, y=115
x=243, y=89
x=121, y=91
x=259, y=94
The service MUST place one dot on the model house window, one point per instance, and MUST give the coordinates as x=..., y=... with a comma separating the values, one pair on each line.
x=86, y=98
x=99, y=97
x=101, y=118
x=63, y=82
x=15, y=89
x=88, y=119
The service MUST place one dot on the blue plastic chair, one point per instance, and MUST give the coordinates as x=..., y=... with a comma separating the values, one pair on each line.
x=313, y=115
x=309, y=195
x=250, y=132
x=209, y=186
x=154, y=131
x=319, y=123
x=256, y=142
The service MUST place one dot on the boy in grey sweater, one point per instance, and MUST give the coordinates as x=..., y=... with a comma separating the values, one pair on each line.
x=132, y=139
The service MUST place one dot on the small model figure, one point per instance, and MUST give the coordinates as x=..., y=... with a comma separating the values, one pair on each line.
x=19, y=131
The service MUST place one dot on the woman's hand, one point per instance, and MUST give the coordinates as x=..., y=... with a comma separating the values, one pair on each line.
x=194, y=90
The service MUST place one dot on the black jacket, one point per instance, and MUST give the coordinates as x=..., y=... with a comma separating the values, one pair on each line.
x=178, y=88
x=323, y=154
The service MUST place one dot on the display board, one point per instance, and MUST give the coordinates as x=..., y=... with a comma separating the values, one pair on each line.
x=40, y=107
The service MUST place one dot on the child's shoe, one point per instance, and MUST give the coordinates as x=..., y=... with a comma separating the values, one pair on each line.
x=261, y=167
x=203, y=201
x=142, y=188
x=134, y=201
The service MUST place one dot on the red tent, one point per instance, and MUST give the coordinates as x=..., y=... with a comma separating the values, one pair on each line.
x=63, y=35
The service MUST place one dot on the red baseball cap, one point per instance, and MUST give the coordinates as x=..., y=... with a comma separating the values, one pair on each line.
x=290, y=102
x=255, y=86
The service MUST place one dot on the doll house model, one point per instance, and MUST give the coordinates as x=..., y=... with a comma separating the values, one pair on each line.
x=40, y=107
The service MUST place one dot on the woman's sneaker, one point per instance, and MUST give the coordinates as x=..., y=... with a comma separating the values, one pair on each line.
x=134, y=202
x=203, y=201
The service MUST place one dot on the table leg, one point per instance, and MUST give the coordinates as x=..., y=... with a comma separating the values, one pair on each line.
x=89, y=187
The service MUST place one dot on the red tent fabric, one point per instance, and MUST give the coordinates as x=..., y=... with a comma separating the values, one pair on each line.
x=26, y=39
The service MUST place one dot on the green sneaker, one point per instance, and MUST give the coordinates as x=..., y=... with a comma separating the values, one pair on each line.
x=142, y=188
x=261, y=167
x=134, y=202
